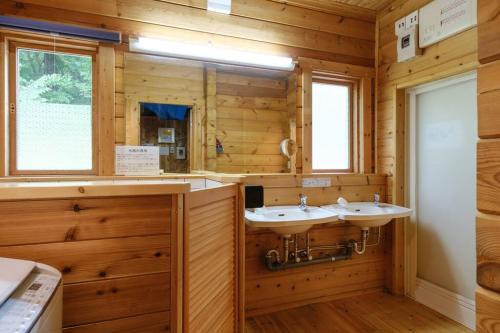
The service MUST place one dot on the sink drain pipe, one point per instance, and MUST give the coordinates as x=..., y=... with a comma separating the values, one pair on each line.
x=274, y=263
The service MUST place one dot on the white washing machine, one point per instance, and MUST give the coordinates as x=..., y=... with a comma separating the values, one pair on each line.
x=30, y=297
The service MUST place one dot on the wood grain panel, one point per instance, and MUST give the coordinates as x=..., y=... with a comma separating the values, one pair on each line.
x=488, y=180
x=211, y=261
x=488, y=251
x=488, y=311
x=83, y=219
x=252, y=135
x=115, y=298
x=488, y=20
x=488, y=170
x=116, y=256
x=106, y=107
x=158, y=322
x=99, y=259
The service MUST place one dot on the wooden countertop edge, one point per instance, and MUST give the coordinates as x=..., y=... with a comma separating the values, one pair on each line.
x=64, y=190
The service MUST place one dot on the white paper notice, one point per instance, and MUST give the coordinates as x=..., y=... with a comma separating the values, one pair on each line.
x=316, y=182
x=137, y=160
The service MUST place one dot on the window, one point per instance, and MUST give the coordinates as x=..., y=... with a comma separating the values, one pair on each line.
x=332, y=130
x=52, y=113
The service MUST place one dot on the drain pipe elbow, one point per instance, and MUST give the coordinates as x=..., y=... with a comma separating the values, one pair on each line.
x=361, y=249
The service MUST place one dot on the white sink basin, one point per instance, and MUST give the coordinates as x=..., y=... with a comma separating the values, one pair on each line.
x=288, y=220
x=367, y=215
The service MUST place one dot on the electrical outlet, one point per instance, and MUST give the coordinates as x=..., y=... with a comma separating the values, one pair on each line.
x=400, y=26
x=411, y=20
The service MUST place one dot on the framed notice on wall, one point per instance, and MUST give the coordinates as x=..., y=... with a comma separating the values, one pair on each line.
x=137, y=160
x=166, y=135
x=441, y=19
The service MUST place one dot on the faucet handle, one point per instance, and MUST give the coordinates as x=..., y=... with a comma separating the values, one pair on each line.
x=302, y=200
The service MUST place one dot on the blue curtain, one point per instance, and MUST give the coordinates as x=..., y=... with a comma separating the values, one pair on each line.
x=166, y=111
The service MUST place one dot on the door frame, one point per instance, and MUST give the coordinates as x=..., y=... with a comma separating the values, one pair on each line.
x=410, y=241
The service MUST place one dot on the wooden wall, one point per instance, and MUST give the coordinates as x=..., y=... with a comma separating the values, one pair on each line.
x=261, y=25
x=117, y=257
x=211, y=249
x=271, y=291
x=488, y=169
x=252, y=120
x=455, y=55
x=160, y=80
x=337, y=34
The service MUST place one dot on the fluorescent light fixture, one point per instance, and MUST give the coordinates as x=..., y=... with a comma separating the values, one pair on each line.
x=209, y=53
x=219, y=6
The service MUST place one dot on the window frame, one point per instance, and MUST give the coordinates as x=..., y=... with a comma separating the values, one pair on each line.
x=13, y=46
x=351, y=85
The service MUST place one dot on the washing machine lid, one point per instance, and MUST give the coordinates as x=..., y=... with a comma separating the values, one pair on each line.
x=12, y=273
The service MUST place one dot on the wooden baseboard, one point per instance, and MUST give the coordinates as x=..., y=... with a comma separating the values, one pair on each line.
x=454, y=306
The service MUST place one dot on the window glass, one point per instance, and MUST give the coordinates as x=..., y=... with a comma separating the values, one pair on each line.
x=331, y=127
x=53, y=111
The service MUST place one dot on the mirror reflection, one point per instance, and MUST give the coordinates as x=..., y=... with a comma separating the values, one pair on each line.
x=211, y=117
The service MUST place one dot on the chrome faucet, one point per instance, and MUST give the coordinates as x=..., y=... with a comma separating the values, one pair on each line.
x=302, y=202
x=376, y=199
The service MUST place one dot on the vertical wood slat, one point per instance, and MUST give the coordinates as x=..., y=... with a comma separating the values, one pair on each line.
x=306, y=119
x=398, y=197
x=366, y=126
x=211, y=269
x=106, y=109
x=3, y=111
x=211, y=121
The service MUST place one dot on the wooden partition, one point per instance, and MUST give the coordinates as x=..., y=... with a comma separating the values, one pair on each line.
x=118, y=257
x=211, y=267
x=488, y=169
x=271, y=291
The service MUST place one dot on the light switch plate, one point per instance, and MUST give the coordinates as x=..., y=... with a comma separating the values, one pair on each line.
x=316, y=182
x=412, y=19
x=400, y=26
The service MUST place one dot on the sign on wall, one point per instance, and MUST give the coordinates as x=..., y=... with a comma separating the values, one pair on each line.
x=441, y=19
x=137, y=160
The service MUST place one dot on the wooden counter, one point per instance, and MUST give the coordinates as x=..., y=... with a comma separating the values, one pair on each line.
x=34, y=190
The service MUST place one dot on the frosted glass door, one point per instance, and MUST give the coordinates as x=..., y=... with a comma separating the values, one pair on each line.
x=445, y=185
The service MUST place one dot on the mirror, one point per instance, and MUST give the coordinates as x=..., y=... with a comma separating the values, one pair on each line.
x=206, y=116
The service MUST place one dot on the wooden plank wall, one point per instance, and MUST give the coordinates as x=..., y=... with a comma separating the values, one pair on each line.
x=211, y=247
x=262, y=25
x=252, y=120
x=455, y=55
x=117, y=257
x=488, y=169
x=271, y=291
x=160, y=80
x=336, y=34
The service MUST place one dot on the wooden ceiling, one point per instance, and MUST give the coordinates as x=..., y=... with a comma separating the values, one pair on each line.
x=369, y=4
x=362, y=9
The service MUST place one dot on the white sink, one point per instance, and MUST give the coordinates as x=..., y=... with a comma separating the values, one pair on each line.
x=367, y=214
x=288, y=220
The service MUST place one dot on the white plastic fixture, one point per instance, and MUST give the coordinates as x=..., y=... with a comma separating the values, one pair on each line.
x=209, y=53
x=288, y=220
x=219, y=6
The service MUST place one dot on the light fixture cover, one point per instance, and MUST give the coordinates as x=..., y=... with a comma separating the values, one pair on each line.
x=220, y=6
x=209, y=53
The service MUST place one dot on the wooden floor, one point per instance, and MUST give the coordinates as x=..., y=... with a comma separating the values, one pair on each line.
x=373, y=313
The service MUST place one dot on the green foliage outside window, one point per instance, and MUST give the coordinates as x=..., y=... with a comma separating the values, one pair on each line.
x=55, y=77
